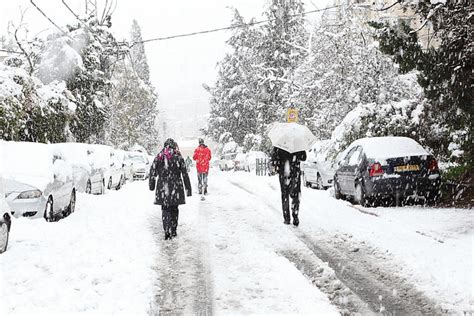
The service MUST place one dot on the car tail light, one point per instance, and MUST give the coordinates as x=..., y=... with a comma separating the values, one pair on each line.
x=376, y=170
x=433, y=165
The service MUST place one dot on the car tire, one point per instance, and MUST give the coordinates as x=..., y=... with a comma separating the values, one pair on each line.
x=119, y=184
x=48, y=210
x=89, y=187
x=360, y=196
x=432, y=198
x=4, y=233
x=319, y=183
x=102, y=191
x=72, y=204
x=109, y=185
x=337, y=191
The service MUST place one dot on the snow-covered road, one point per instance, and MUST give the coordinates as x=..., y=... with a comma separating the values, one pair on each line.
x=234, y=255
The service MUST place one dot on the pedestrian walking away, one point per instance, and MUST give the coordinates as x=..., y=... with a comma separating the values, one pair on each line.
x=202, y=156
x=169, y=176
x=287, y=165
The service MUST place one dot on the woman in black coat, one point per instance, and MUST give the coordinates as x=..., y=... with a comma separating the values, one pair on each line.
x=167, y=174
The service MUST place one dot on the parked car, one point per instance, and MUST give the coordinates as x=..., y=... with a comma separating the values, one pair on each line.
x=380, y=167
x=239, y=162
x=37, y=182
x=140, y=165
x=104, y=157
x=87, y=177
x=251, y=160
x=5, y=219
x=318, y=169
x=226, y=161
x=127, y=165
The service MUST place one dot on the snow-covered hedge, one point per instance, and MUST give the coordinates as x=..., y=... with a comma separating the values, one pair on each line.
x=31, y=111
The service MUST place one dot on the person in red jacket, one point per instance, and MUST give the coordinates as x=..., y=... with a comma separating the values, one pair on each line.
x=202, y=156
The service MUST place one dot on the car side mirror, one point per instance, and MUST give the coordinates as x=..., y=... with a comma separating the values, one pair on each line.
x=112, y=164
x=123, y=165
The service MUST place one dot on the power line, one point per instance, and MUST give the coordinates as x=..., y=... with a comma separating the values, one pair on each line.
x=227, y=27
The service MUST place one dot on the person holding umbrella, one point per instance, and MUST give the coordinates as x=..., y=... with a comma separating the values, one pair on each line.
x=290, y=140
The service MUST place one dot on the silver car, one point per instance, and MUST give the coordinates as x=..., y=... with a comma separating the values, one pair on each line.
x=37, y=182
x=104, y=158
x=5, y=220
x=318, y=169
x=87, y=178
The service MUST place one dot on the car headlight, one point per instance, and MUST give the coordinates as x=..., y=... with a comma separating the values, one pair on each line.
x=32, y=194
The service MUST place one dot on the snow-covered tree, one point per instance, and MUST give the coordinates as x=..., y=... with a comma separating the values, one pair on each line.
x=344, y=69
x=137, y=53
x=132, y=102
x=445, y=72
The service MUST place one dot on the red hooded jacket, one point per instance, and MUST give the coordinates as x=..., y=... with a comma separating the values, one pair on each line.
x=202, y=156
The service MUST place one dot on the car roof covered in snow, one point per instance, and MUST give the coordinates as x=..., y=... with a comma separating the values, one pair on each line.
x=389, y=147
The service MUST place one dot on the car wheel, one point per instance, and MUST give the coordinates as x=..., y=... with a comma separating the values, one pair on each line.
x=89, y=187
x=119, y=185
x=48, y=211
x=337, y=190
x=319, y=183
x=4, y=234
x=109, y=185
x=360, y=196
x=72, y=204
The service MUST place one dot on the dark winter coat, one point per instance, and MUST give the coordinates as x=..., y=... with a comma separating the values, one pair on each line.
x=288, y=167
x=168, y=172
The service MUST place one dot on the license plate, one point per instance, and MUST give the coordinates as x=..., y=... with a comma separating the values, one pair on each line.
x=407, y=168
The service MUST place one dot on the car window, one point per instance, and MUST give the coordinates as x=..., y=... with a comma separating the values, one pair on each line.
x=354, y=159
x=345, y=161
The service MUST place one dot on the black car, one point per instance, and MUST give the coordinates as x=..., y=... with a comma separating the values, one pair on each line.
x=372, y=169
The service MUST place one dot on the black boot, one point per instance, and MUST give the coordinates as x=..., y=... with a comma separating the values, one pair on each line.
x=174, y=233
x=167, y=235
x=205, y=191
x=286, y=221
x=296, y=221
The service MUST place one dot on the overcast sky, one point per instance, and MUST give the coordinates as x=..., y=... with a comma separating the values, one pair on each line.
x=178, y=67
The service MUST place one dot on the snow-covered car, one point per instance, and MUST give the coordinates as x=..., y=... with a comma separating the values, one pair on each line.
x=37, y=182
x=318, y=169
x=123, y=158
x=226, y=162
x=380, y=167
x=103, y=157
x=5, y=219
x=140, y=165
x=87, y=177
x=251, y=160
x=239, y=162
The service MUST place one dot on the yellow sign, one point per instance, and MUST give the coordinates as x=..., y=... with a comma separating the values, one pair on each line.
x=292, y=115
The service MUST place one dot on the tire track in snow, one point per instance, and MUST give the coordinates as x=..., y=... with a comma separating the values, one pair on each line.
x=382, y=291
x=183, y=269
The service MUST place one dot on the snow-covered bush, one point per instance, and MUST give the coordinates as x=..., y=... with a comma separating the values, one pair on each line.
x=31, y=111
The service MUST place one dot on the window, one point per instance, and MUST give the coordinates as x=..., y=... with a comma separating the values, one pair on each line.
x=356, y=156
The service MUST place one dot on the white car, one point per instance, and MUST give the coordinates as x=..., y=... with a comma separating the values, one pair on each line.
x=240, y=162
x=104, y=157
x=318, y=169
x=251, y=160
x=87, y=177
x=37, y=182
x=5, y=219
x=226, y=162
x=140, y=165
x=123, y=158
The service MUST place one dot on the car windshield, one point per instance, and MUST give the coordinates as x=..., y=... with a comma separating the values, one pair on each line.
x=138, y=159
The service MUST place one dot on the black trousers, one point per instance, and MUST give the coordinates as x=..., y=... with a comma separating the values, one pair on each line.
x=290, y=188
x=170, y=215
